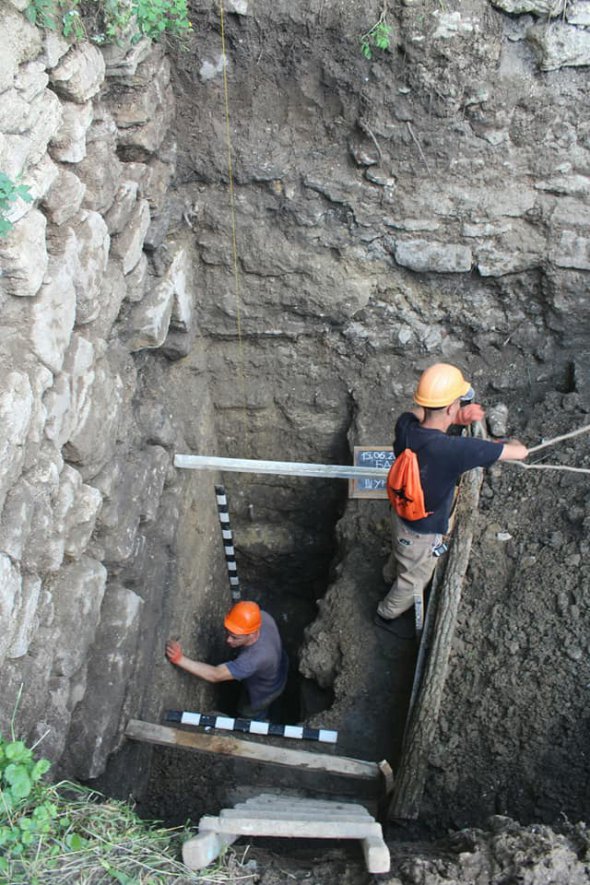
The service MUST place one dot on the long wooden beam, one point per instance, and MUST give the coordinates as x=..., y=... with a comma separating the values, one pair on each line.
x=228, y=746
x=278, y=468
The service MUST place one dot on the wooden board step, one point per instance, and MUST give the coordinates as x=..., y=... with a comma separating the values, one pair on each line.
x=267, y=815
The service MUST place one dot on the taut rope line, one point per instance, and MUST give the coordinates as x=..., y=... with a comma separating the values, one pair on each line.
x=232, y=202
x=550, y=442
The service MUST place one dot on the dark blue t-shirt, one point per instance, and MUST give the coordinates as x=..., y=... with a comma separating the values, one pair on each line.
x=442, y=460
x=263, y=665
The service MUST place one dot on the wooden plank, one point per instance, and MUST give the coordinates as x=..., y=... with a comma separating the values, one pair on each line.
x=298, y=827
x=228, y=746
x=421, y=728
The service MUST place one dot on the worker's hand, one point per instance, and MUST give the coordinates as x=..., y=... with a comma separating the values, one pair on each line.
x=173, y=651
x=513, y=450
x=468, y=414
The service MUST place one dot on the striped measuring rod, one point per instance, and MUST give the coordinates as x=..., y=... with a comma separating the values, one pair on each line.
x=253, y=726
x=228, y=543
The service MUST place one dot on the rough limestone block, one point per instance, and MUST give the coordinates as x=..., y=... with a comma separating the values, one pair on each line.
x=10, y=590
x=31, y=80
x=20, y=150
x=425, y=256
x=571, y=250
x=179, y=275
x=16, y=409
x=44, y=549
x=41, y=379
x=120, y=212
x=143, y=116
x=21, y=42
x=76, y=509
x=578, y=13
x=155, y=182
x=96, y=720
x=65, y=197
x=122, y=60
x=77, y=589
x=149, y=320
x=109, y=301
x=136, y=281
x=53, y=311
x=94, y=437
x=40, y=180
x=544, y=8
x=23, y=256
x=93, y=243
x=203, y=849
x=54, y=49
x=14, y=112
x=131, y=490
x=16, y=519
x=25, y=617
x=69, y=398
x=560, y=45
x=523, y=248
x=68, y=145
x=128, y=245
x=80, y=74
x=101, y=169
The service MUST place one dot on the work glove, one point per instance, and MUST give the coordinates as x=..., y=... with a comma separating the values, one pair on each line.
x=173, y=651
x=468, y=414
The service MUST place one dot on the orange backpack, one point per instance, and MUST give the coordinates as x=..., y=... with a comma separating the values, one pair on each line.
x=404, y=488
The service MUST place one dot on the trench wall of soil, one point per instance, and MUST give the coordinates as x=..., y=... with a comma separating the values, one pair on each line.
x=428, y=204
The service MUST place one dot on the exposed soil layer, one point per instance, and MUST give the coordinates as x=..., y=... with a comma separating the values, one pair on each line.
x=513, y=735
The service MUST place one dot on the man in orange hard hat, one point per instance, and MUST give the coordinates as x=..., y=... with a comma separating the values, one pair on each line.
x=443, y=397
x=261, y=663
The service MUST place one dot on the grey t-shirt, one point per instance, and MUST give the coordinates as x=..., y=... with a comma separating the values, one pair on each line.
x=263, y=665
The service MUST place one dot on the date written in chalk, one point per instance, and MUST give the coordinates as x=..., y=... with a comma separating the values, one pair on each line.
x=370, y=456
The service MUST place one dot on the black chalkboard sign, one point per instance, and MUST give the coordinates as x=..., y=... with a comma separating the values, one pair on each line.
x=370, y=456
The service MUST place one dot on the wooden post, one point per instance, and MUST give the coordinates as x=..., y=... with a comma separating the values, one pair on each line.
x=410, y=777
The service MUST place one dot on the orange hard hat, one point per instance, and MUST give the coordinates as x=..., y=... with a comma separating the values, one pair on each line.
x=243, y=618
x=440, y=385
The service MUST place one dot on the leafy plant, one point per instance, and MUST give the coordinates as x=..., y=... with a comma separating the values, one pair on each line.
x=376, y=38
x=65, y=834
x=154, y=17
x=108, y=21
x=10, y=191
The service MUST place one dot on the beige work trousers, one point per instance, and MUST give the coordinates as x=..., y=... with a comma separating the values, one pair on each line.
x=410, y=568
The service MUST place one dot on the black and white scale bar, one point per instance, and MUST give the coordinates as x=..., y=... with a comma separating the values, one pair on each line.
x=253, y=726
x=228, y=543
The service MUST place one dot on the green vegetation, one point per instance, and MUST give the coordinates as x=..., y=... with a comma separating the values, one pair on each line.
x=64, y=834
x=10, y=191
x=110, y=21
x=376, y=37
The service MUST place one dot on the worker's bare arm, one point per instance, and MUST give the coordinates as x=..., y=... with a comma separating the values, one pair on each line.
x=513, y=451
x=208, y=672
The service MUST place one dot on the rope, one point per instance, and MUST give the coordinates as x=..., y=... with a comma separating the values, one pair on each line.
x=557, y=439
x=232, y=201
x=551, y=442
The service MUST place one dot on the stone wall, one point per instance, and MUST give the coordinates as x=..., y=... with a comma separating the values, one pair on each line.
x=96, y=298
